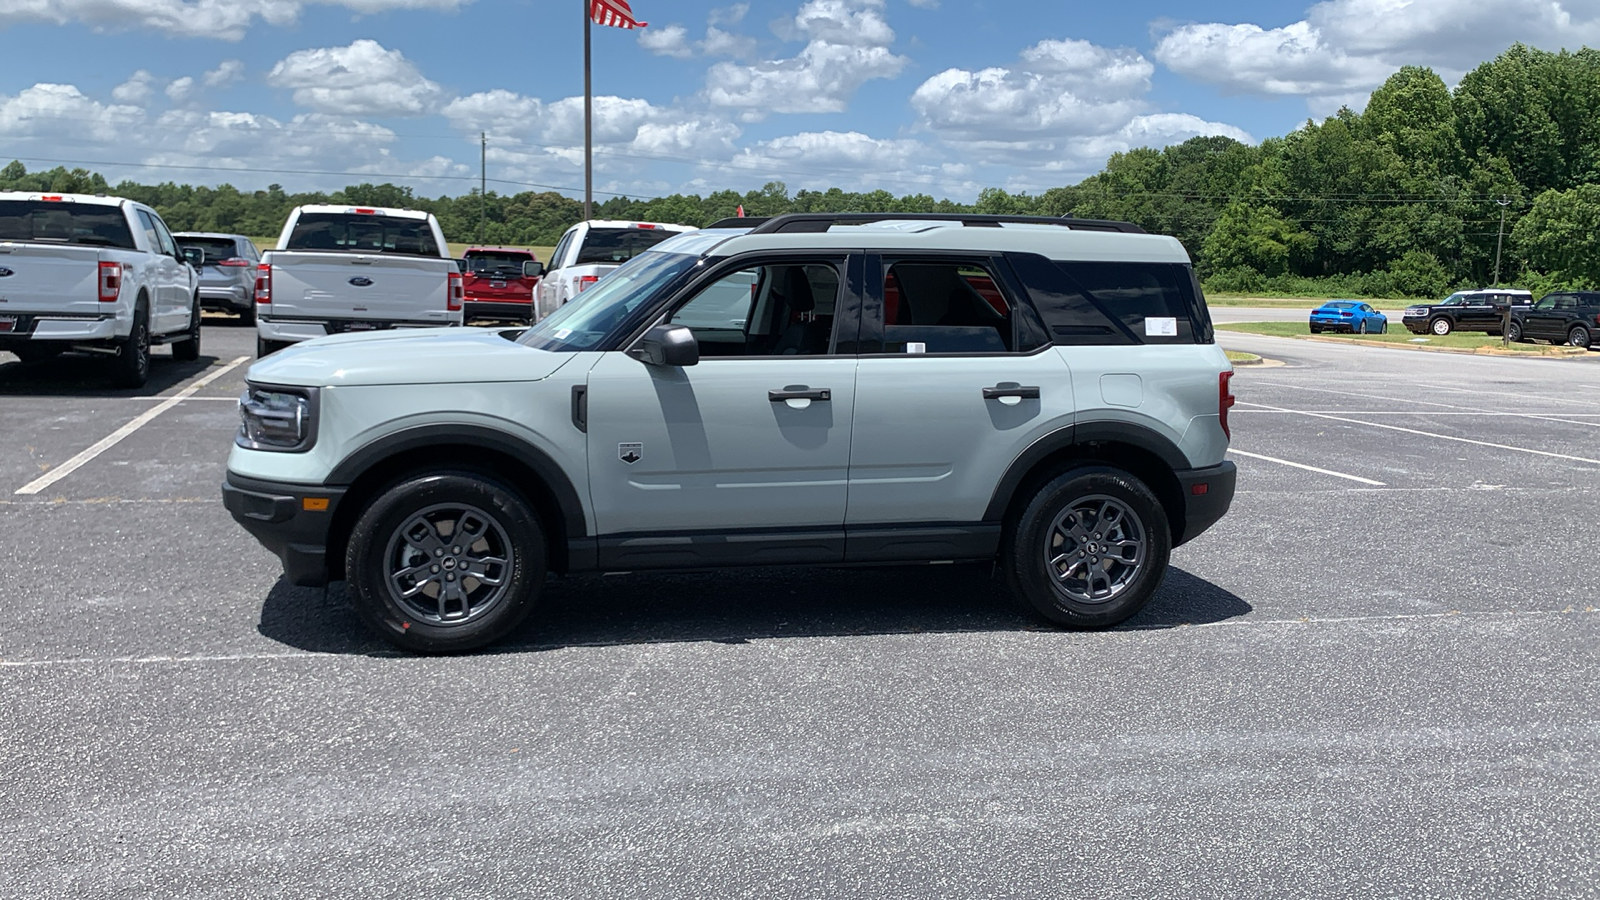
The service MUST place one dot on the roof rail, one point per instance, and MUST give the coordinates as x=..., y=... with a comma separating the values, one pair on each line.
x=802, y=223
x=740, y=222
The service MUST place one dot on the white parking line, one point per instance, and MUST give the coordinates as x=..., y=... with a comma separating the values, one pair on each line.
x=115, y=437
x=1285, y=462
x=1442, y=437
x=1546, y=417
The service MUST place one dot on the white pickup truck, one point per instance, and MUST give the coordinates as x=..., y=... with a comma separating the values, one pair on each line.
x=587, y=251
x=338, y=269
x=95, y=274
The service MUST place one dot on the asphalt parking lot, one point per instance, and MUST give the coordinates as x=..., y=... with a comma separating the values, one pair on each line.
x=1376, y=677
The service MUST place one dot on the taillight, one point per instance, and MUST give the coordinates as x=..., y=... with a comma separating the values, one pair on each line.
x=1225, y=400
x=110, y=282
x=456, y=292
x=234, y=263
x=264, y=283
x=585, y=281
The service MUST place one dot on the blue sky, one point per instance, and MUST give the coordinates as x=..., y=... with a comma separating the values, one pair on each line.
x=944, y=97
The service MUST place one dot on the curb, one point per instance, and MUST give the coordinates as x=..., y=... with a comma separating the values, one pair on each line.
x=1558, y=352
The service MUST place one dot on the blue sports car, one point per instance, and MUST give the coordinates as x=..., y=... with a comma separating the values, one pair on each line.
x=1348, y=315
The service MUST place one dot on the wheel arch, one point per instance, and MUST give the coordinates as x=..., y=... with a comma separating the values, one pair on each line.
x=524, y=466
x=1143, y=453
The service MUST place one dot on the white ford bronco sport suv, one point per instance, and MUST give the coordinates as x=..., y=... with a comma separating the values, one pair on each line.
x=828, y=389
x=96, y=274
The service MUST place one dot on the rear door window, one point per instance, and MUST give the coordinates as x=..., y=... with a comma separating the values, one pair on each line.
x=618, y=245
x=360, y=233
x=933, y=305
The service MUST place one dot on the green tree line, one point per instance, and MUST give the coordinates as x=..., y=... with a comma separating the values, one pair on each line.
x=1420, y=193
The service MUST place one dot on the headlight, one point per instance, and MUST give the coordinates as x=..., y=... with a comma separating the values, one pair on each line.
x=277, y=418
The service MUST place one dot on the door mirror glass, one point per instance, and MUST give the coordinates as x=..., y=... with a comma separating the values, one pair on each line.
x=194, y=256
x=532, y=269
x=667, y=345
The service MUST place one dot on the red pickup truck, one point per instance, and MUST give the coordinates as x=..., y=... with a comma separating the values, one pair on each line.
x=499, y=283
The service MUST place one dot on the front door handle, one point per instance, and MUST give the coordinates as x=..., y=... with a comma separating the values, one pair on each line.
x=1021, y=393
x=800, y=393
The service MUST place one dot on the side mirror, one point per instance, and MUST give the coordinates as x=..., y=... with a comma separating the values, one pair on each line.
x=194, y=256
x=667, y=345
x=532, y=269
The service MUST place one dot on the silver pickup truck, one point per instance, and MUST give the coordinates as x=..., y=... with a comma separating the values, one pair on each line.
x=95, y=274
x=339, y=269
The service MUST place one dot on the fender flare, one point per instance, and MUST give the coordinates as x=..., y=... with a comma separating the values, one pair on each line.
x=1077, y=435
x=420, y=436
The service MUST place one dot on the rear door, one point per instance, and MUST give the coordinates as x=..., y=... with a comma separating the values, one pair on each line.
x=954, y=381
x=1478, y=313
x=169, y=283
x=1544, y=320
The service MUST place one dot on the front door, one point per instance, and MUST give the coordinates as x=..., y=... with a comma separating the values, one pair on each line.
x=744, y=456
x=952, y=387
x=168, y=278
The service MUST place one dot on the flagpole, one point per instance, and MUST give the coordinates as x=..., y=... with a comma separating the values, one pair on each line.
x=588, y=123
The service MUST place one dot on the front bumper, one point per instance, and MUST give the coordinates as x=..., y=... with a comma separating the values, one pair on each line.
x=1207, y=494
x=277, y=515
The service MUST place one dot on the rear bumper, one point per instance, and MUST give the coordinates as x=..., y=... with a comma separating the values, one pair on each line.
x=226, y=299
x=73, y=329
x=1207, y=494
x=498, y=309
x=275, y=514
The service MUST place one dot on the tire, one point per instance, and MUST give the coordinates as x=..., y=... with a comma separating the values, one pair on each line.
x=1362, y=327
x=247, y=316
x=1038, y=553
x=265, y=348
x=37, y=352
x=1514, y=333
x=1441, y=326
x=1579, y=336
x=188, y=349
x=1315, y=330
x=399, y=594
x=1384, y=328
x=131, y=368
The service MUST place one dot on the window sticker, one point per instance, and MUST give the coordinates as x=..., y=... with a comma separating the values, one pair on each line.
x=916, y=347
x=1161, y=326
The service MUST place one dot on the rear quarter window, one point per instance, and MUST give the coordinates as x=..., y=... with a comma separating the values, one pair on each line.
x=1088, y=303
x=358, y=233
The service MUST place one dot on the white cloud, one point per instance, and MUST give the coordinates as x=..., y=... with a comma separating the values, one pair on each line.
x=847, y=45
x=363, y=79
x=1343, y=49
x=673, y=40
x=228, y=72
x=667, y=40
x=60, y=114
x=925, y=4
x=729, y=15
x=180, y=90
x=137, y=89
x=224, y=19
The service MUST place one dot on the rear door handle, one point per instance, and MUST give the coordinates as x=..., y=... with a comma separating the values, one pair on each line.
x=1025, y=393
x=822, y=394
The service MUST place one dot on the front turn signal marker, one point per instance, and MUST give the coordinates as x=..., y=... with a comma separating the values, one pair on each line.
x=314, y=504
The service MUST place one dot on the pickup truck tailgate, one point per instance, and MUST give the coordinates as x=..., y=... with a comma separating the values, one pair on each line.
x=359, y=286
x=49, y=278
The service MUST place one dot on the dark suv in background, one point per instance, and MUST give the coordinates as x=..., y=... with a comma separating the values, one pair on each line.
x=227, y=273
x=1465, y=311
x=1570, y=317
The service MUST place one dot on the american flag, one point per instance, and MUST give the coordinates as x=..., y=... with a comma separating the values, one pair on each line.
x=615, y=13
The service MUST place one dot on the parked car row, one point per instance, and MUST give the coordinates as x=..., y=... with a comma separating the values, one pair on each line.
x=1563, y=317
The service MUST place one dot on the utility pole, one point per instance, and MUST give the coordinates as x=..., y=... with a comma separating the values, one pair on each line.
x=1499, y=237
x=483, y=181
x=588, y=122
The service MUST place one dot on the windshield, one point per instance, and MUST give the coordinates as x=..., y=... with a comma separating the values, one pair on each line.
x=614, y=245
x=586, y=321
x=501, y=264
x=64, y=223
x=362, y=233
x=214, y=248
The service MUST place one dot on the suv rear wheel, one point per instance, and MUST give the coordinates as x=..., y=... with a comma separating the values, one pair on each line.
x=1579, y=337
x=1090, y=548
x=446, y=560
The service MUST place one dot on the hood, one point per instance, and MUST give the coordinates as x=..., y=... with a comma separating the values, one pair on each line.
x=410, y=356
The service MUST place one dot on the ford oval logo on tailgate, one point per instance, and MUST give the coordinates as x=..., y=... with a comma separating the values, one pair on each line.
x=361, y=281
x=5, y=272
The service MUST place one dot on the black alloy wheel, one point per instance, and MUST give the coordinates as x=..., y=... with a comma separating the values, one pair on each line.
x=1579, y=336
x=1090, y=548
x=131, y=368
x=188, y=349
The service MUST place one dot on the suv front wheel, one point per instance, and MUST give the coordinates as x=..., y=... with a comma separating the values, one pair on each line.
x=445, y=561
x=1090, y=548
